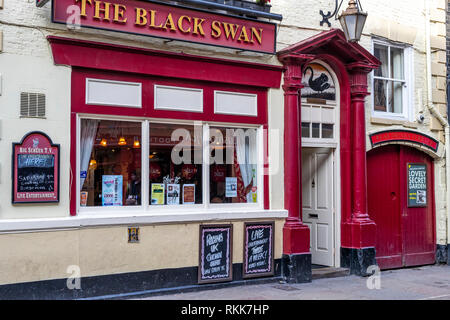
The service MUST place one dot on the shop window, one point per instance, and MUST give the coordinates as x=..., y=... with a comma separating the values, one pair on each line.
x=175, y=164
x=120, y=167
x=391, y=85
x=233, y=165
x=110, y=163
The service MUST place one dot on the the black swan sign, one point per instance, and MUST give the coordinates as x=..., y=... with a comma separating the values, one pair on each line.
x=318, y=83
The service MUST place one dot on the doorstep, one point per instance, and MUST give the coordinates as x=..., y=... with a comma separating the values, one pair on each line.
x=329, y=272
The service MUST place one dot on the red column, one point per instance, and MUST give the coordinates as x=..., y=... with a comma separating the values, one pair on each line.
x=362, y=230
x=295, y=233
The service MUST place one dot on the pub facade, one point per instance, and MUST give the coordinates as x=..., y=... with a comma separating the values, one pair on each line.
x=151, y=145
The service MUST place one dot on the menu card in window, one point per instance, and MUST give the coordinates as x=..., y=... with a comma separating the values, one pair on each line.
x=230, y=187
x=157, y=193
x=112, y=190
x=173, y=194
x=189, y=194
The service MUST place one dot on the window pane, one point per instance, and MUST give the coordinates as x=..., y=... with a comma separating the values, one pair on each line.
x=305, y=129
x=110, y=163
x=380, y=92
x=381, y=53
x=316, y=130
x=175, y=164
x=397, y=63
x=327, y=131
x=395, y=96
x=233, y=165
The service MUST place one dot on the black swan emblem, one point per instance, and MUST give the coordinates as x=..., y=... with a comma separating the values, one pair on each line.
x=319, y=84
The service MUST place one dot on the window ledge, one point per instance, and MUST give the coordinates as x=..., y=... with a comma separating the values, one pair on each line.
x=103, y=219
x=391, y=121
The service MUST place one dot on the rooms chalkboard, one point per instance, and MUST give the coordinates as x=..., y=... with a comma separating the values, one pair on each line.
x=258, y=249
x=35, y=163
x=215, y=256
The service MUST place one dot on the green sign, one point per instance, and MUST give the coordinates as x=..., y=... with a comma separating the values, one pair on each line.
x=417, y=185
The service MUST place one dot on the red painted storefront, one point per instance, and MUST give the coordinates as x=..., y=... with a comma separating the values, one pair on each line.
x=349, y=61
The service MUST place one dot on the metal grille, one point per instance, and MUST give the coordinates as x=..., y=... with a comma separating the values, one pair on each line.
x=32, y=104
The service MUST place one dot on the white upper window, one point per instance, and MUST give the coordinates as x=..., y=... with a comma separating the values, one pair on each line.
x=392, y=84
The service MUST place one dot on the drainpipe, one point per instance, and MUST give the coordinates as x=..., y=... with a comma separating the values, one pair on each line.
x=436, y=113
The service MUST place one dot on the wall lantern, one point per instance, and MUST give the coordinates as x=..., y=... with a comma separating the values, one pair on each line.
x=352, y=19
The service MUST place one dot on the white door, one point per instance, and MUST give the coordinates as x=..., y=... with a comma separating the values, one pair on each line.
x=317, y=198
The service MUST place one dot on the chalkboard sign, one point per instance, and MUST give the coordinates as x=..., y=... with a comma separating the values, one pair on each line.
x=215, y=256
x=258, y=249
x=35, y=163
x=417, y=184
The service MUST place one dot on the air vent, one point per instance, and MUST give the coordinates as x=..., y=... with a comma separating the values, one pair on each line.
x=32, y=105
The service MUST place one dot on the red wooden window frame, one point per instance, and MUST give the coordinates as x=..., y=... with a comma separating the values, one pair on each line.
x=79, y=106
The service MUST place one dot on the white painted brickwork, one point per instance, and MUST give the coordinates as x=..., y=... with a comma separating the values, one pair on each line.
x=26, y=64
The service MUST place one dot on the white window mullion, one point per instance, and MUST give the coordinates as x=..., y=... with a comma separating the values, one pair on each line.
x=388, y=106
x=206, y=159
x=77, y=166
x=260, y=167
x=145, y=168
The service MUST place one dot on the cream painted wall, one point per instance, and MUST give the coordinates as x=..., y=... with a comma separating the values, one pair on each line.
x=34, y=256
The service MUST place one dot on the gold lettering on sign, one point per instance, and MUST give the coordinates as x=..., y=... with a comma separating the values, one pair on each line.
x=83, y=6
x=230, y=29
x=169, y=21
x=243, y=36
x=163, y=21
x=216, y=32
x=141, y=17
x=104, y=10
x=152, y=20
x=180, y=24
x=198, y=26
x=257, y=35
x=119, y=11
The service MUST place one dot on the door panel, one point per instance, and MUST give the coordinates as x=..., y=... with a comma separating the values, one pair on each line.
x=405, y=236
x=383, y=196
x=317, y=193
x=418, y=223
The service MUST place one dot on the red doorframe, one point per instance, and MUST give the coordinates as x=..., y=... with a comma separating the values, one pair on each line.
x=351, y=63
x=406, y=236
x=120, y=62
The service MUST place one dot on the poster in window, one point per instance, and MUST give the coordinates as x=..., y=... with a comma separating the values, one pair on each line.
x=35, y=169
x=157, y=193
x=189, y=194
x=173, y=194
x=215, y=256
x=112, y=190
x=258, y=249
x=230, y=187
x=417, y=184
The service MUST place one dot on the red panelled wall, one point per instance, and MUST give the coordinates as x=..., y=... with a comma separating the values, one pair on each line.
x=405, y=236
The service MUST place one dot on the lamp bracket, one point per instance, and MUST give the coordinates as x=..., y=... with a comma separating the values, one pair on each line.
x=329, y=15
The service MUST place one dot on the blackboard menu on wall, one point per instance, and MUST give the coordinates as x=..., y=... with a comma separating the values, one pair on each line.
x=215, y=256
x=258, y=249
x=417, y=184
x=35, y=169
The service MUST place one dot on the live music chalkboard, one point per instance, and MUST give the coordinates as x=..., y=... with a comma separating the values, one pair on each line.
x=258, y=249
x=417, y=184
x=35, y=169
x=215, y=256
